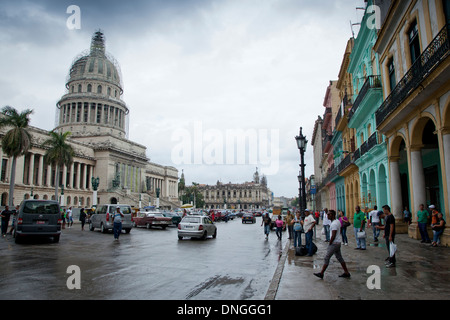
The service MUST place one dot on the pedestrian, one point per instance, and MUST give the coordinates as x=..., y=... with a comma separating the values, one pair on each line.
x=359, y=222
x=308, y=226
x=267, y=222
x=317, y=216
x=326, y=225
x=290, y=224
x=117, y=218
x=422, y=220
x=213, y=216
x=374, y=221
x=298, y=228
x=63, y=217
x=15, y=212
x=344, y=225
x=438, y=229
x=5, y=215
x=389, y=234
x=69, y=217
x=279, y=225
x=407, y=216
x=82, y=218
x=334, y=247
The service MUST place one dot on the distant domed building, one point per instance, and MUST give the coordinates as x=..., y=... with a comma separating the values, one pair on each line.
x=93, y=111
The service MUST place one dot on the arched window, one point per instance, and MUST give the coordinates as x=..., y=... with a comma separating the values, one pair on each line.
x=89, y=88
x=79, y=88
x=99, y=89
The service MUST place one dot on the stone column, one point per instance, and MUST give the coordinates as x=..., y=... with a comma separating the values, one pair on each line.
x=40, y=170
x=418, y=178
x=396, y=188
x=31, y=170
x=446, y=140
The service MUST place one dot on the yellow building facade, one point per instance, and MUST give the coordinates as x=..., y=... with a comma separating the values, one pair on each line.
x=414, y=49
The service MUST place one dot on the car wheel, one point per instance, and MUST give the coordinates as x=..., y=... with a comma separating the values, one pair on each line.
x=180, y=238
x=103, y=229
x=148, y=226
x=56, y=239
x=127, y=230
x=91, y=227
x=164, y=227
x=204, y=235
x=215, y=234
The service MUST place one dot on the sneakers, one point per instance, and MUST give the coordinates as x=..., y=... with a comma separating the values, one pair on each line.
x=390, y=265
x=319, y=275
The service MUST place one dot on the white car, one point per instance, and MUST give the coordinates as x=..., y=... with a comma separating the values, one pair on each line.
x=196, y=227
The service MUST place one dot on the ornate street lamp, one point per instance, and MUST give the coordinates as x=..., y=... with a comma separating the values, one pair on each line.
x=95, y=183
x=302, y=144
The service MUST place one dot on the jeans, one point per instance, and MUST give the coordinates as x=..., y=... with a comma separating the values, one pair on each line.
x=424, y=232
x=117, y=229
x=344, y=234
x=291, y=231
x=327, y=232
x=279, y=232
x=376, y=232
x=360, y=243
x=308, y=237
x=437, y=235
x=297, y=238
x=4, y=226
x=267, y=229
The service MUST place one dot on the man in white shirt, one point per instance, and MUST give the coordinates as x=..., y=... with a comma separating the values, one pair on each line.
x=308, y=226
x=334, y=247
x=326, y=225
x=69, y=217
x=374, y=222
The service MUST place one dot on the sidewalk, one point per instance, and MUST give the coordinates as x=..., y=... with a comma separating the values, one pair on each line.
x=422, y=272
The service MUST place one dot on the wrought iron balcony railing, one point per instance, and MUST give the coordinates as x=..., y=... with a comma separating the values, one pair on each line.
x=426, y=63
x=371, y=82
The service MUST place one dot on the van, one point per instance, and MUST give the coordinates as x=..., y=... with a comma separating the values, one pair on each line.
x=102, y=217
x=38, y=218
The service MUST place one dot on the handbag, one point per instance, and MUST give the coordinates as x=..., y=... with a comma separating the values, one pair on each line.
x=361, y=234
x=298, y=227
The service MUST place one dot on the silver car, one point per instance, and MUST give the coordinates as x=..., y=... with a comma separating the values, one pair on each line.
x=102, y=217
x=196, y=227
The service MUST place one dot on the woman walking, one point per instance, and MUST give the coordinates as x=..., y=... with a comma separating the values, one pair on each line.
x=344, y=225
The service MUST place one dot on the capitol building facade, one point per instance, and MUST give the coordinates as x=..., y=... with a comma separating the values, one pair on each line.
x=93, y=111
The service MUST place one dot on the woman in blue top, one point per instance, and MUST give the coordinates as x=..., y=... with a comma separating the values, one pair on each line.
x=117, y=218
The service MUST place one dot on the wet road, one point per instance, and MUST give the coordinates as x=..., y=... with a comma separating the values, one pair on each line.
x=144, y=265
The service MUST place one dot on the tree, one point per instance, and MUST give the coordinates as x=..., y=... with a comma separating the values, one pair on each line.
x=59, y=153
x=16, y=142
x=192, y=193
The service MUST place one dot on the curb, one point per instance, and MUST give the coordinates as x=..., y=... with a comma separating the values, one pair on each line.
x=274, y=284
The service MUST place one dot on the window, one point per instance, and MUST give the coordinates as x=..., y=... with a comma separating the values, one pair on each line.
x=414, y=42
x=89, y=88
x=79, y=88
x=99, y=89
x=446, y=10
x=391, y=70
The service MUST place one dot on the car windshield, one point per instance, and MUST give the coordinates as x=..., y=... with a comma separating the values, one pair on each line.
x=156, y=215
x=191, y=219
x=41, y=207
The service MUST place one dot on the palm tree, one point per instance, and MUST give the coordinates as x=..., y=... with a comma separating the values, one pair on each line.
x=59, y=153
x=17, y=141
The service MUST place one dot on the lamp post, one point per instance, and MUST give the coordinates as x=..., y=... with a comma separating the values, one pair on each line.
x=158, y=190
x=95, y=183
x=301, y=144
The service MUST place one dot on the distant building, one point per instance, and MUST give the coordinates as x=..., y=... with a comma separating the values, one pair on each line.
x=252, y=195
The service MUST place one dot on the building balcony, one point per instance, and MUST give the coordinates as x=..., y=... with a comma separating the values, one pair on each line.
x=371, y=83
x=422, y=69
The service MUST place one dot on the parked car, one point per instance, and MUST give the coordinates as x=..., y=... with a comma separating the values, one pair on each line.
x=176, y=218
x=248, y=217
x=38, y=218
x=151, y=219
x=102, y=217
x=196, y=227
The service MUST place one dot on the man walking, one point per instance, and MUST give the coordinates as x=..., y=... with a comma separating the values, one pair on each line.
x=334, y=247
x=326, y=225
x=117, y=218
x=359, y=221
x=374, y=222
x=389, y=234
x=267, y=222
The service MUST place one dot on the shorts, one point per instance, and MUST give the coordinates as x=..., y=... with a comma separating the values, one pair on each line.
x=336, y=250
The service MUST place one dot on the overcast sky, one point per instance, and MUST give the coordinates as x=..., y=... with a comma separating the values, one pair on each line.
x=196, y=73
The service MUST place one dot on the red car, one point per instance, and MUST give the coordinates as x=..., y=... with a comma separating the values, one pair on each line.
x=151, y=219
